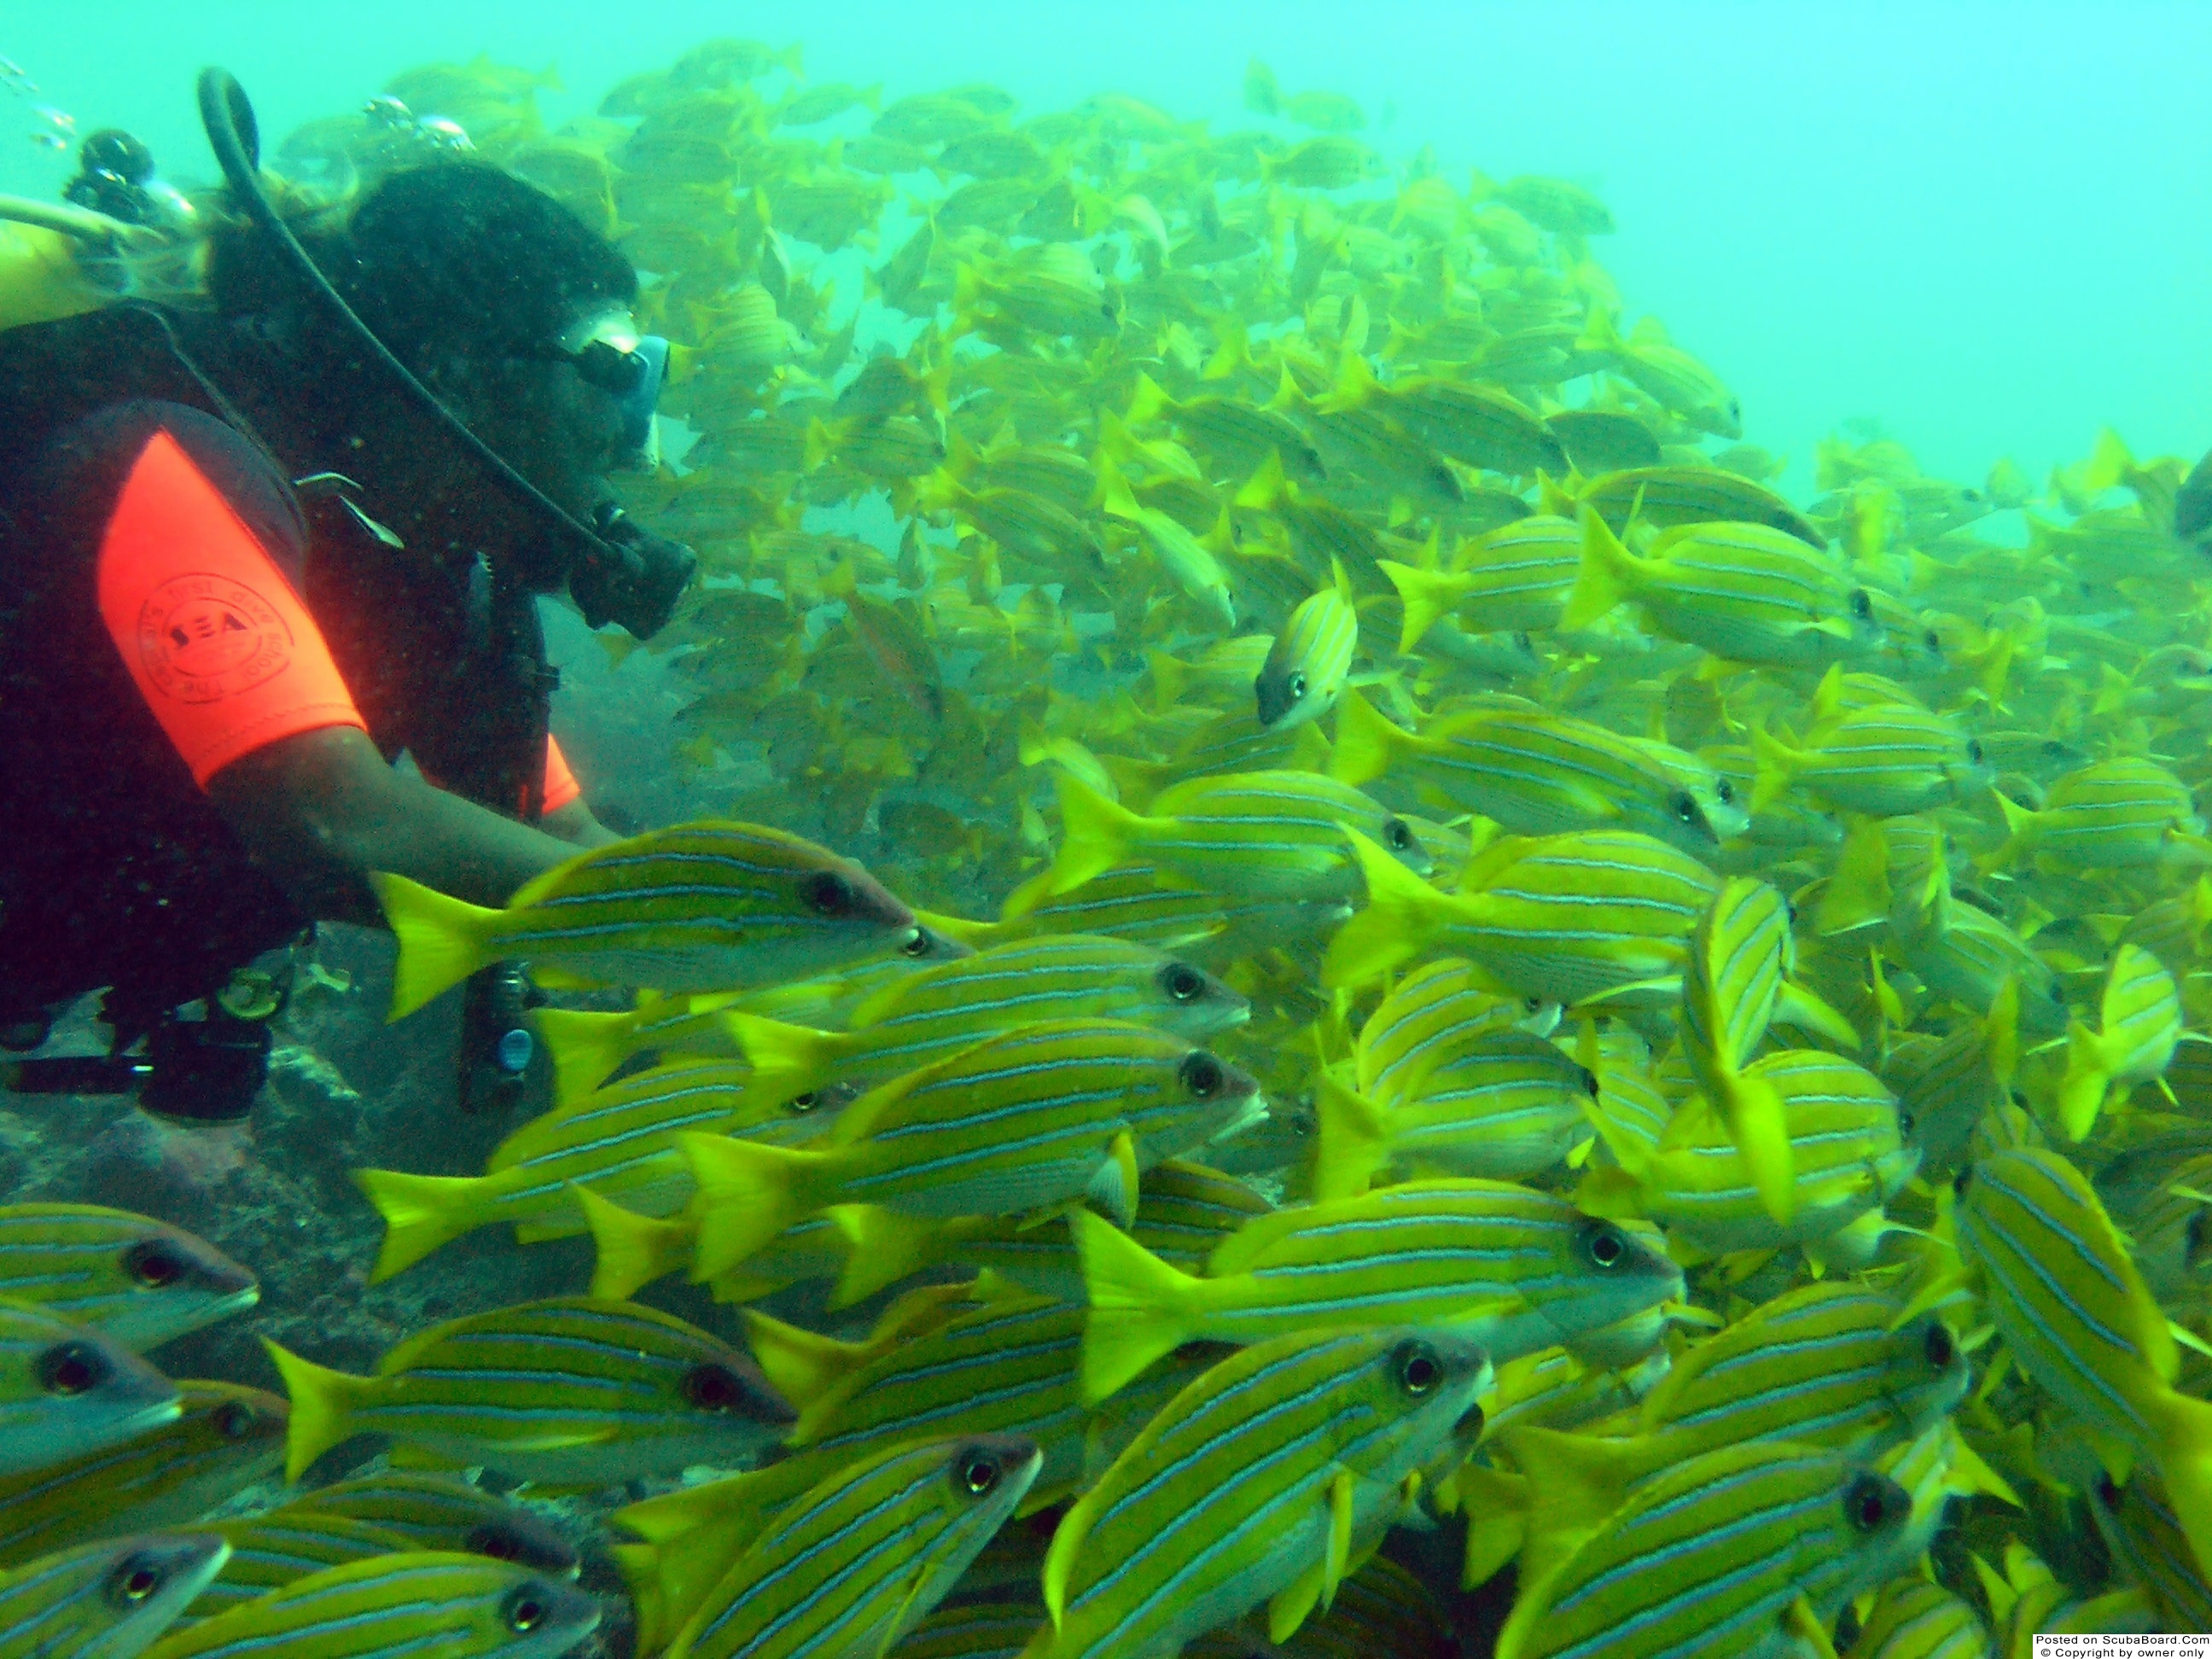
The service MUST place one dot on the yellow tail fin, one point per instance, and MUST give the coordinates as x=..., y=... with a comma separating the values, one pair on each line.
x=587, y=1048
x=1364, y=741
x=1797, y=1006
x=323, y=1404
x=1147, y=402
x=441, y=940
x=634, y=1249
x=1427, y=596
x=1603, y=578
x=1575, y=1481
x=1496, y=1504
x=1399, y=923
x=1778, y=766
x=1752, y=1112
x=786, y=1059
x=886, y=1246
x=1094, y=834
x=694, y=1536
x=2081, y=1091
x=1141, y=1308
x=2020, y=835
x=421, y=1214
x=748, y=1193
x=1354, y=1143
x=804, y=1365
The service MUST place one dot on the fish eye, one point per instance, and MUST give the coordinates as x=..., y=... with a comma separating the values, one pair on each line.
x=806, y=1103
x=830, y=893
x=1934, y=641
x=1182, y=982
x=979, y=1473
x=1868, y=1501
x=153, y=1264
x=70, y=1368
x=525, y=1610
x=2194, y=1234
x=1974, y=751
x=1296, y=685
x=918, y=943
x=1525, y=642
x=1533, y=1004
x=1861, y=604
x=1940, y=1349
x=712, y=1387
x=1725, y=792
x=1398, y=836
x=236, y=1420
x=2110, y=1492
x=1906, y=1123
x=1419, y=1371
x=1590, y=1083
x=1961, y=1180
x=1201, y=1075
x=494, y=1540
x=1605, y=1247
x=135, y=1579
x=1970, y=493
x=1684, y=805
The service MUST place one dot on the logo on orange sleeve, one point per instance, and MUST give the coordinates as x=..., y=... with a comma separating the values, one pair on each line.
x=204, y=638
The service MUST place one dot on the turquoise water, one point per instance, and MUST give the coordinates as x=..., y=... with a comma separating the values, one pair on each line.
x=1983, y=225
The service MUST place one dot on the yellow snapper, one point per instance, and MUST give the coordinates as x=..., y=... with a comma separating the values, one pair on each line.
x=704, y=907
x=1253, y=834
x=1747, y=593
x=1572, y=918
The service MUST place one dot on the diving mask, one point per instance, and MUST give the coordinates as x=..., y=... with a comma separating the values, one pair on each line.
x=608, y=352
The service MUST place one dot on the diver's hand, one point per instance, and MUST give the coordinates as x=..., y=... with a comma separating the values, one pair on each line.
x=319, y=809
x=634, y=577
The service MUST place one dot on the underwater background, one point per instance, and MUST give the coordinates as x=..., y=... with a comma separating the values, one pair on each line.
x=1984, y=225
x=1949, y=259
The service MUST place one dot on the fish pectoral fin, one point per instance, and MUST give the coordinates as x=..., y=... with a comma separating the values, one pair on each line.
x=1800, y=1622
x=1292, y=1604
x=1338, y=1560
x=1113, y=1185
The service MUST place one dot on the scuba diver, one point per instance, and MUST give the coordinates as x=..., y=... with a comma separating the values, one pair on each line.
x=252, y=551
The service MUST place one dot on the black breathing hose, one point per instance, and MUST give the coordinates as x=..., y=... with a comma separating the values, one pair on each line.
x=236, y=137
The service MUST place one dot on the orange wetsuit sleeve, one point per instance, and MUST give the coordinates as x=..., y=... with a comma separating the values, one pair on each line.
x=561, y=784
x=222, y=649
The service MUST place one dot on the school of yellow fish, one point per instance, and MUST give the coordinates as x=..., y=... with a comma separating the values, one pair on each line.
x=1444, y=975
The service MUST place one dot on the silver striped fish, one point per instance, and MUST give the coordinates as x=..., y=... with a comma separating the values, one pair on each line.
x=1714, y=1557
x=1036, y=1115
x=1249, y=1485
x=1517, y=1269
x=458, y=1607
x=855, y=1562
x=700, y=907
x=226, y=1438
x=140, y=1280
x=109, y=1599
x=1310, y=663
x=1539, y=773
x=1251, y=834
x=68, y=1390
